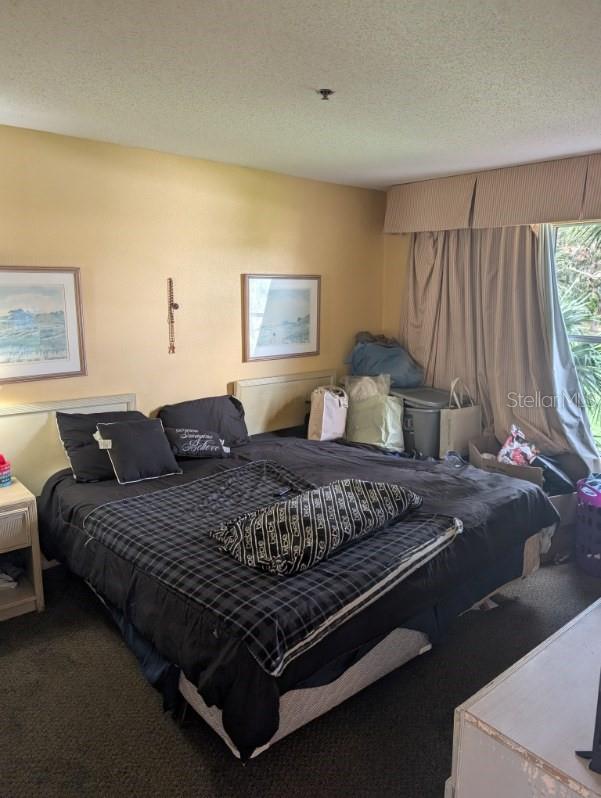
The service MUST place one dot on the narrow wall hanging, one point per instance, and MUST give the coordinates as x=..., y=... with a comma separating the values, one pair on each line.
x=171, y=306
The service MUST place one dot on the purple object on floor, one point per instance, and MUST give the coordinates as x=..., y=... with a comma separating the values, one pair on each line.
x=588, y=525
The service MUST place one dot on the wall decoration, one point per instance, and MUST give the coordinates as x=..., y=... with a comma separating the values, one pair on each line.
x=280, y=315
x=171, y=307
x=41, y=327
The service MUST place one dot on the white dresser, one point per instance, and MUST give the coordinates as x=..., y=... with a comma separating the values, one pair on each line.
x=516, y=738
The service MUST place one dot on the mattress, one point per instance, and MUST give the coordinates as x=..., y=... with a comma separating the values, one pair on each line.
x=499, y=514
x=300, y=706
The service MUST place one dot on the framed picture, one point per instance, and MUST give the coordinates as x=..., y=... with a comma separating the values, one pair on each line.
x=280, y=316
x=41, y=328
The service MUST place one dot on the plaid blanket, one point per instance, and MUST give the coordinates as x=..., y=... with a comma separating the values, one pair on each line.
x=165, y=535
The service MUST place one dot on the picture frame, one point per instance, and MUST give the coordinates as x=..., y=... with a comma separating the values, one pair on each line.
x=280, y=316
x=41, y=323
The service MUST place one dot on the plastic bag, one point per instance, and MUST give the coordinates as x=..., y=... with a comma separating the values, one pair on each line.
x=378, y=421
x=369, y=359
x=555, y=479
x=327, y=420
x=516, y=450
x=359, y=388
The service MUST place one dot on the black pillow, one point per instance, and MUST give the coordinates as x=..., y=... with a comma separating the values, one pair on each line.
x=76, y=431
x=290, y=536
x=138, y=450
x=194, y=443
x=223, y=414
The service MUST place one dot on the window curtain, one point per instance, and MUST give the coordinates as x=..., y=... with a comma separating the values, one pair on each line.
x=573, y=416
x=483, y=305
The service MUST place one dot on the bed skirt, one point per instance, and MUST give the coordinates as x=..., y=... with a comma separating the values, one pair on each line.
x=299, y=707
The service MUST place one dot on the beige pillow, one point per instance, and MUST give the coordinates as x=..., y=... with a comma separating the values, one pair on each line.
x=360, y=388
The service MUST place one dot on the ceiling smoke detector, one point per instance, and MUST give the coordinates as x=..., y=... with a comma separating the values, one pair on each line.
x=325, y=93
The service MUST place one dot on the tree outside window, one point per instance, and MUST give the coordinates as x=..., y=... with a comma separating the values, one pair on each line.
x=578, y=268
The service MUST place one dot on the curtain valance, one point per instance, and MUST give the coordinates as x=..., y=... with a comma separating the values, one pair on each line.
x=530, y=194
x=443, y=204
x=591, y=207
x=563, y=190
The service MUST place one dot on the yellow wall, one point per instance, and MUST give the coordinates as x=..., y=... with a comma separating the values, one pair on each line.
x=130, y=218
x=394, y=272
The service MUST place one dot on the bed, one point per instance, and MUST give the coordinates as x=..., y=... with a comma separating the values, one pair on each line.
x=257, y=670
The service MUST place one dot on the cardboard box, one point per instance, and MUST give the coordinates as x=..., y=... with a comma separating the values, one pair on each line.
x=483, y=454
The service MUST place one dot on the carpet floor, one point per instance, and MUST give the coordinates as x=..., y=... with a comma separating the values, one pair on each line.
x=78, y=719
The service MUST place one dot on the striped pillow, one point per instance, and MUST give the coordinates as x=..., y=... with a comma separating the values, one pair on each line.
x=290, y=536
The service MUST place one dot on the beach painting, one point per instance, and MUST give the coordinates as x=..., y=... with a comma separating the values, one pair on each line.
x=281, y=316
x=40, y=323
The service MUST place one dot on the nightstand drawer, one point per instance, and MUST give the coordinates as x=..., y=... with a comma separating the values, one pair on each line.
x=14, y=528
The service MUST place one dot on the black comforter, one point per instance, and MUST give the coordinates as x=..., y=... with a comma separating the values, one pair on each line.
x=498, y=515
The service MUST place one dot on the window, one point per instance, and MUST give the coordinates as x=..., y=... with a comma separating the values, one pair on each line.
x=578, y=268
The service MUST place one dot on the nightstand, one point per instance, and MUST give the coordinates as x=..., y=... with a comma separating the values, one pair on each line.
x=19, y=531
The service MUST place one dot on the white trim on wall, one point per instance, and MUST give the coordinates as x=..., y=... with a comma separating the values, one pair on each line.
x=80, y=405
x=272, y=403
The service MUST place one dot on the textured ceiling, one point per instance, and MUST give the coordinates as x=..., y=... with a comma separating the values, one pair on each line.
x=423, y=87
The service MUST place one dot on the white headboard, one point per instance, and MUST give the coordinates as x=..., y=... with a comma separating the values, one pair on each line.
x=29, y=436
x=272, y=403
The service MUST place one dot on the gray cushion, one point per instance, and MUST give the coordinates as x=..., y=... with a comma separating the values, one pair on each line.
x=221, y=414
x=76, y=430
x=138, y=450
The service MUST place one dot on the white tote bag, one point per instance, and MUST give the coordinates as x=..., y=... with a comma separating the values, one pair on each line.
x=460, y=422
x=327, y=421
